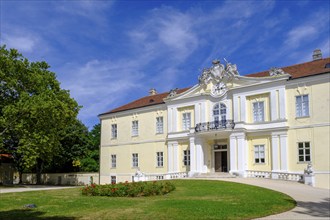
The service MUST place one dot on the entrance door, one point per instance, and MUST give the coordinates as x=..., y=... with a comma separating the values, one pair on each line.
x=220, y=163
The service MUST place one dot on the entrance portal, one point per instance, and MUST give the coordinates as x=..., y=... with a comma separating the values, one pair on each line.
x=220, y=164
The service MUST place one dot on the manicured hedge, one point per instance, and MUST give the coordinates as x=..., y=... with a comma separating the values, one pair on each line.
x=126, y=189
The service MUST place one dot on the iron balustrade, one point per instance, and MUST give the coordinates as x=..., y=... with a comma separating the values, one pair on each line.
x=215, y=125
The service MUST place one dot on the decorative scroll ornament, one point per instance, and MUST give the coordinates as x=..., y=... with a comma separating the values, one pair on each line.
x=218, y=72
x=274, y=71
x=172, y=93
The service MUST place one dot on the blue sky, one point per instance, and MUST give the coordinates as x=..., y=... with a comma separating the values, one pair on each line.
x=108, y=53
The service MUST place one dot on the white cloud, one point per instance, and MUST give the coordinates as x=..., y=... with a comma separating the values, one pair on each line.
x=309, y=30
x=96, y=85
x=300, y=34
x=92, y=10
x=21, y=42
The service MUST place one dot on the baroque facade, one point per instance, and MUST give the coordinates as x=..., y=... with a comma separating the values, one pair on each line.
x=271, y=124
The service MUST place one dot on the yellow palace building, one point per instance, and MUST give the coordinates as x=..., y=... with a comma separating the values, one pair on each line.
x=271, y=124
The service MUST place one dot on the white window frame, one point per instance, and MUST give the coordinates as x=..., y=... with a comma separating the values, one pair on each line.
x=160, y=125
x=186, y=157
x=259, y=154
x=114, y=132
x=258, y=111
x=304, y=152
x=160, y=159
x=113, y=179
x=113, y=160
x=302, y=106
x=135, y=160
x=186, y=121
x=135, y=128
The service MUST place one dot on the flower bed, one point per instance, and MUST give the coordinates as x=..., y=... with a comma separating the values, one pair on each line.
x=126, y=189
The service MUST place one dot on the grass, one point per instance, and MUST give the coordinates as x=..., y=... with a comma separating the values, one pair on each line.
x=192, y=199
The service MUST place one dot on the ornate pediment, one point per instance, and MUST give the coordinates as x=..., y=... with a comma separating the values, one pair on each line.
x=274, y=71
x=218, y=72
x=220, y=75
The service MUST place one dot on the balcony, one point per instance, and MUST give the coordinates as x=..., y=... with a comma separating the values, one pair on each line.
x=214, y=125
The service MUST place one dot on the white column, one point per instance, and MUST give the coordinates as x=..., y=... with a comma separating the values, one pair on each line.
x=233, y=154
x=197, y=113
x=275, y=155
x=170, y=120
x=243, y=109
x=241, y=154
x=192, y=156
x=170, y=157
x=175, y=120
x=284, y=153
x=273, y=106
x=176, y=157
x=199, y=155
x=282, y=103
x=236, y=110
x=203, y=112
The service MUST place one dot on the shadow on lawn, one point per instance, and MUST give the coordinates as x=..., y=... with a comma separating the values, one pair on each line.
x=29, y=214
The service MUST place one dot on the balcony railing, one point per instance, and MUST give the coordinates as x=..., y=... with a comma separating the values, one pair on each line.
x=215, y=125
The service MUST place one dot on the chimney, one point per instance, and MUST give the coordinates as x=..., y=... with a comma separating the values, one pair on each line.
x=152, y=91
x=317, y=54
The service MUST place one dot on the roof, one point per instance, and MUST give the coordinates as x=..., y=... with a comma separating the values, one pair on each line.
x=296, y=71
x=301, y=70
x=145, y=101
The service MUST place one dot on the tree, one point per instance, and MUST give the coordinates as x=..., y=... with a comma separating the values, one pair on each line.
x=74, y=147
x=91, y=162
x=34, y=110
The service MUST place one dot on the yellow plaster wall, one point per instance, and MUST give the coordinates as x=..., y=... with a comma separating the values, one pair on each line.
x=319, y=142
x=319, y=97
x=147, y=127
x=261, y=140
x=183, y=146
x=258, y=98
x=146, y=154
x=313, y=128
x=146, y=144
x=186, y=109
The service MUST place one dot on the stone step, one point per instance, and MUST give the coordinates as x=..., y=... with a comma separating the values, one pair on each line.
x=216, y=175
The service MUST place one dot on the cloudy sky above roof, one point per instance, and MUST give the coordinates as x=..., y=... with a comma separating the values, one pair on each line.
x=108, y=53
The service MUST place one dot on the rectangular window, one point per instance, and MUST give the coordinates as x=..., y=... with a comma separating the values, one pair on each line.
x=258, y=111
x=135, y=160
x=114, y=131
x=186, y=157
x=160, y=159
x=113, y=161
x=302, y=106
x=186, y=121
x=304, y=151
x=259, y=153
x=113, y=179
x=159, y=125
x=135, y=128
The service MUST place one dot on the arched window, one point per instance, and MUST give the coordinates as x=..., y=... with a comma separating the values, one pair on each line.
x=219, y=113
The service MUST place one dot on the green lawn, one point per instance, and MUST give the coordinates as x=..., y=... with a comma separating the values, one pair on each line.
x=192, y=199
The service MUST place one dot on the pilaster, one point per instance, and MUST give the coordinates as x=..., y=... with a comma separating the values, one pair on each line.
x=275, y=154
x=284, y=153
x=243, y=108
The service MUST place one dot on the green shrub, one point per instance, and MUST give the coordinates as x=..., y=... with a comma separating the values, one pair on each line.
x=126, y=189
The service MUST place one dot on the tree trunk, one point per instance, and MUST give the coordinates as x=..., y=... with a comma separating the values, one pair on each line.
x=39, y=169
x=20, y=177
